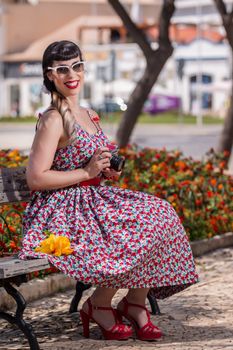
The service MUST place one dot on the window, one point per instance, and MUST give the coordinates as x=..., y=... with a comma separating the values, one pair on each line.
x=206, y=97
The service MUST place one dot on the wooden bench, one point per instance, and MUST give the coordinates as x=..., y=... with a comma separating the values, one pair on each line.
x=14, y=189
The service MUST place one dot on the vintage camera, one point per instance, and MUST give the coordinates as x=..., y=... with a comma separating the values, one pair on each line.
x=116, y=162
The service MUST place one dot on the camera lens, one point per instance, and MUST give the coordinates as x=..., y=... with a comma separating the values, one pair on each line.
x=117, y=162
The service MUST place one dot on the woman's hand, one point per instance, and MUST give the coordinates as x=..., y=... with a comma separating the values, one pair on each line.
x=98, y=163
x=111, y=173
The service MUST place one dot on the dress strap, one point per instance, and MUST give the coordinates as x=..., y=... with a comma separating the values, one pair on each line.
x=50, y=108
x=37, y=122
x=95, y=119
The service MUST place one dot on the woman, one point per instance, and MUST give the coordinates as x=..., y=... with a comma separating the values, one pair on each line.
x=119, y=238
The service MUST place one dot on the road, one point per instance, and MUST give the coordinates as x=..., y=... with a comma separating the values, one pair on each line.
x=192, y=140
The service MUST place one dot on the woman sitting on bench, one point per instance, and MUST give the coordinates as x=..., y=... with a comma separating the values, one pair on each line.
x=119, y=238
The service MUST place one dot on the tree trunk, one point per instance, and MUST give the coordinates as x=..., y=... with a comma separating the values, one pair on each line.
x=155, y=61
x=226, y=140
x=140, y=94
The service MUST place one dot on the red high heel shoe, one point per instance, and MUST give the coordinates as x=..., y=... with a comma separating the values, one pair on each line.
x=149, y=331
x=118, y=332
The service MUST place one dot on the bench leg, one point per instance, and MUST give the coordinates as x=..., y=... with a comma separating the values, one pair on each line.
x=80, y=288
x=17, y=319
x=155, y=310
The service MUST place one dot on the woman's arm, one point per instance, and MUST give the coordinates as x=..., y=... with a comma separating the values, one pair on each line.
x=39, y=175
x=108, y=172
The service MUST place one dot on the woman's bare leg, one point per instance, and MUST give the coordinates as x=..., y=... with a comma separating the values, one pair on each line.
x=102, y=297
x=137, y=296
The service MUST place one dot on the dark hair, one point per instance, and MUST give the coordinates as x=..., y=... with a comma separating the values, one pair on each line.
x=61, y=51
x=58, y=51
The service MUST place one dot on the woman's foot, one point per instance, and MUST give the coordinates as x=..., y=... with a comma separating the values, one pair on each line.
x=106, y=318
x=139, y=316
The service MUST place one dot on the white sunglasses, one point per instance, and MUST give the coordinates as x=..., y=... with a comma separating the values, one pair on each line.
x=77, y=67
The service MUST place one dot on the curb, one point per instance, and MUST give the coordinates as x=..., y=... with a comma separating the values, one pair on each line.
x=207, y=245
x=55, y=283
x=37, y=289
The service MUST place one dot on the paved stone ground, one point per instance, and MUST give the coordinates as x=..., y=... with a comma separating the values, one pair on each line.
x=199, y=318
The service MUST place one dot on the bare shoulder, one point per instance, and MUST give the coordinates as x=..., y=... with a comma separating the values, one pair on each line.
x=50, y=118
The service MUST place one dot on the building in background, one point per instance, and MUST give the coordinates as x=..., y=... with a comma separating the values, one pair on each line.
x=29, y=29
x=202, y=58
x=198, y=72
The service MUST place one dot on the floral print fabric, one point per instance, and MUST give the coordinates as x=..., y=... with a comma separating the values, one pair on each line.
x=120, y=238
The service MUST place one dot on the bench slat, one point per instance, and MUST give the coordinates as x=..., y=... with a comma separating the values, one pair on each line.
x=13, y=266
x=14, y=197
x=13, y=179
x=13, y=185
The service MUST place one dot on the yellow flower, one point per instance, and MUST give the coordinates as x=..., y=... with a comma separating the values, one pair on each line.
x=187, y=212
x=124, y=185
x=154, y=168
x=171, y=181
x=13, y=153
x=55, y=245
x=47, y=245
x=62, y=246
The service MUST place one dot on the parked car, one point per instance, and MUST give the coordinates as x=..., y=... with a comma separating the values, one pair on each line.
x=161, y=103
x=110, y=105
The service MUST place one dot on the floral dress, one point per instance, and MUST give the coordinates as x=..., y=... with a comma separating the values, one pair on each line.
x=120, y=238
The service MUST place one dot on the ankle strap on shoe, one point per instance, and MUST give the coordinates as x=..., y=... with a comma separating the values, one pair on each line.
x=127, y=304
x=104, y=308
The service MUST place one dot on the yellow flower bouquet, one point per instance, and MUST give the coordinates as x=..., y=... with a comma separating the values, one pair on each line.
x=55, y=245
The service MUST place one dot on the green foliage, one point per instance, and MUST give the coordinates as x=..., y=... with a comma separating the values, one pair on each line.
x=200, y=191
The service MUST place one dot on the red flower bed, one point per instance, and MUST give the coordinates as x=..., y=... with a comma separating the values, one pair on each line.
x=200, y=191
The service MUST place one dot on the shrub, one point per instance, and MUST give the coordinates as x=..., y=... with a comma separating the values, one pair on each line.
x=200, y=191
x=11, y=214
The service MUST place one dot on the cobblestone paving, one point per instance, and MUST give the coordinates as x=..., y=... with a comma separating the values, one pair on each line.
x=199, y=318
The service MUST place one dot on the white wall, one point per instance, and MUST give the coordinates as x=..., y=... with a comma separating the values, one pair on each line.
x=206, y=58
x=215, y=60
